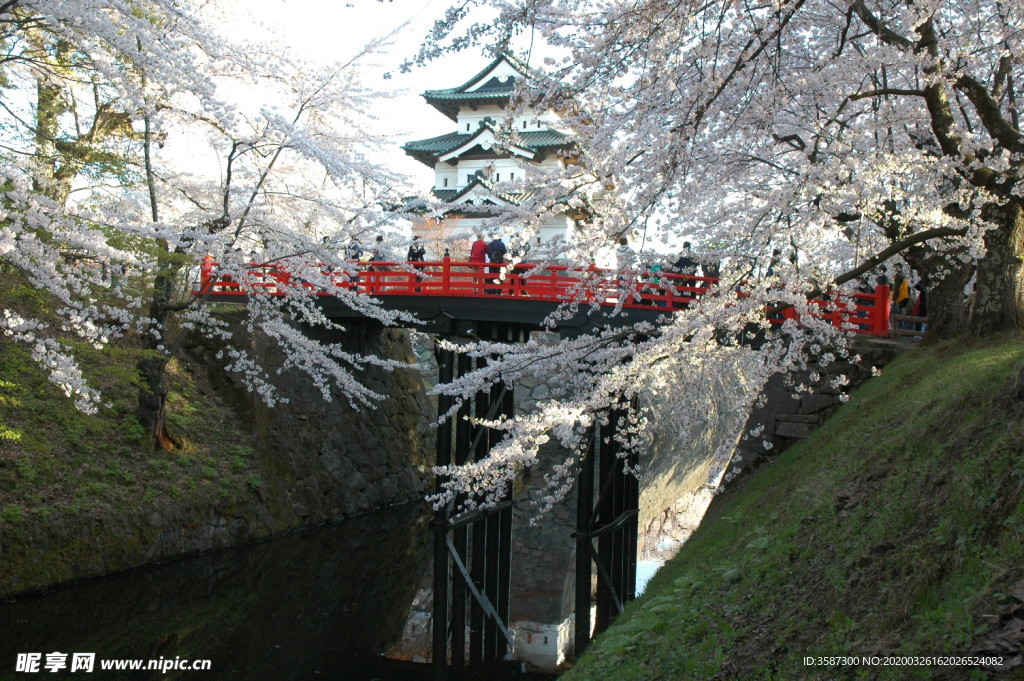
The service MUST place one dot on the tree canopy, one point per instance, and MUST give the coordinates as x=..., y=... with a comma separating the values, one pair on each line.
x=822, y=137
x=837, y=131
x=796, y=144
x=137, y=138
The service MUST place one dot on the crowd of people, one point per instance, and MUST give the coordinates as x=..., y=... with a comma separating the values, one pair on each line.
x=907, y=292
x=908, y=295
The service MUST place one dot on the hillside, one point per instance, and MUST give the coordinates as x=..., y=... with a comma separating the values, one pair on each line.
x=897, y=529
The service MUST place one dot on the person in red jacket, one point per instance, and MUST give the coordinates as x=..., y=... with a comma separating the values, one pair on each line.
x=478, y=254
x=478, y=251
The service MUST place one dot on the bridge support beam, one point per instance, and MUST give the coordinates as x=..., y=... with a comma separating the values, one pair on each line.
x=472, y=550
x=611, y=519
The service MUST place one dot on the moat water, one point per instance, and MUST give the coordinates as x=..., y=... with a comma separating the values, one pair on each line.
x=323, y=603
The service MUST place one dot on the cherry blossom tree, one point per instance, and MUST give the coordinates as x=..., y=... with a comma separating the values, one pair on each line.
x=155, y=141
x=846, y=132
x=837, y=135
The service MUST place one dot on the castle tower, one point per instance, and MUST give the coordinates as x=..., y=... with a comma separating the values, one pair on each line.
x=473, y=169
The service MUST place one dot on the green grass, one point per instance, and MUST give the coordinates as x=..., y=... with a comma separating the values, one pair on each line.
x=55, y=460
x=895, y=529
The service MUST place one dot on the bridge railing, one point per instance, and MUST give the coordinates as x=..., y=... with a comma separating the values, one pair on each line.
x=863, y=313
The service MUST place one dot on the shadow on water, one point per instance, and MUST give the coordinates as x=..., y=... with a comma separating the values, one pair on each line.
x=317, y=604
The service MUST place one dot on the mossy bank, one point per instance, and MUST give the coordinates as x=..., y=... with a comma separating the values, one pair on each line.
x=896, y=529
x=80, y=496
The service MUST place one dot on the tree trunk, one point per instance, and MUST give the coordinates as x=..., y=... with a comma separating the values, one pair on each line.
x=153, y=368
x=998, y=301
x=945, y=279
x=51, y=105
x=153, y=401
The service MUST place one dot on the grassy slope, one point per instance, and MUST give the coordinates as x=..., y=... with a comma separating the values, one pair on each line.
x=56, y=462
x=896, y=528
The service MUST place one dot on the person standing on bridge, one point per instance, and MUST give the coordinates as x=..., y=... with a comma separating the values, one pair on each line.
x=882, y=277
x=478, y=256
x=416, y=251
x=686, y=266
x=712, y=270
x=865, y=288
x=353, y=251
x=900, y=295
x=921, y=304
x=416, y=254
x=496, y=252
x=478, y=250
x=379, y=252
x=623, y=255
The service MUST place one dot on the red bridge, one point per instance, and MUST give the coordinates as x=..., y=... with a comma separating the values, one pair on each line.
x=472, y=563
x=453, y=293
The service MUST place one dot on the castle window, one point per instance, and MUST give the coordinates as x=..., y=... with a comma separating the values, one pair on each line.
x=446, y=182
x=524, y=125
x=511, y=176
x=497, y=177
x=467, y=126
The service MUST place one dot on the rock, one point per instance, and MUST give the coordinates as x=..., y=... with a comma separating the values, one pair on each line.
x=813, y=419
x=793, y=430
x=816, y=402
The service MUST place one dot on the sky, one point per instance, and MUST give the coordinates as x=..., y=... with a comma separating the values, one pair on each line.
x=330, y=31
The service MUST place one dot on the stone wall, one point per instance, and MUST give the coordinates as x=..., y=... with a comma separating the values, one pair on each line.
x=676, y=494
x=785, y=416
x=326, y=459
x=682, y=459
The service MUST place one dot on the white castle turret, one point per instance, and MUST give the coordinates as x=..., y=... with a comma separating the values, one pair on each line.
x=471, y=164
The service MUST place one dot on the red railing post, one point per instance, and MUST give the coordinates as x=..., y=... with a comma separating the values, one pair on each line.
x=206, y=272
x=446, y=275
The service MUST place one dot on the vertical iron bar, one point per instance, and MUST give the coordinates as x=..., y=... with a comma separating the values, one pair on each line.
x=618, y=553
x=633, y=525
x=605, y=556
x=504, y=585
x=632, y=528
x=584, y=524
x=479, y=547
x=446, y=368
x=460, y=537
x=491, y=632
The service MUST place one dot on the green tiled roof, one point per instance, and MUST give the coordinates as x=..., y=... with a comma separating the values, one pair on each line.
x=447, y=100
x=445, y=194
x=494, y=83
x=427, y=151
x=453, y=195
x=437, y=145
x=544, y=138
x=493, y=88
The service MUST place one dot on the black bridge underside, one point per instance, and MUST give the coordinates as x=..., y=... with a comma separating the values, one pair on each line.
x=459, y=316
